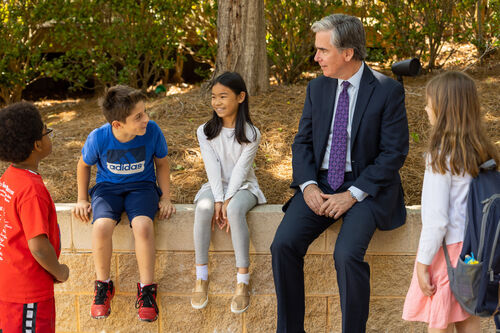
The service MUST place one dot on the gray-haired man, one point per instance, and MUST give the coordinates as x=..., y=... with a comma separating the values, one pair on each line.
x=351, y=142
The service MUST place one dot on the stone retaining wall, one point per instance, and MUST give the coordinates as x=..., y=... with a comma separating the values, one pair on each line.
x=391, y=256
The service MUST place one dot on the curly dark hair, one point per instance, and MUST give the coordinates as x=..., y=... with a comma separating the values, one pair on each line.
x=20, y=126
x=119, y=101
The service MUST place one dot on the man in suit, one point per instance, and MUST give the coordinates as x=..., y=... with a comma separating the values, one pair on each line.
x=351, y=142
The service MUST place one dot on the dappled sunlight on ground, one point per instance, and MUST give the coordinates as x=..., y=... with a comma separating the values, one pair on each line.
x=58, y=103
x=74, y=144
x=179, y=89
x=61, y=117
x=490, y=117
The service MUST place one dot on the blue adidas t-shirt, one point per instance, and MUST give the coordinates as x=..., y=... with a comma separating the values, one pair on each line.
x=127, y=162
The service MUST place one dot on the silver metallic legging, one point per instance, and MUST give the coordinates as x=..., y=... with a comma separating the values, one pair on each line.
x=237, y=210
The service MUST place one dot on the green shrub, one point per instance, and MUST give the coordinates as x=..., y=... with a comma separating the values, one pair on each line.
x=398, y=23
x=200, y=39
x=414, y=28
x=290, y=42
x=480, y=24
x=396, y=29
x=120, y=41
x=137, y=42
x=21, y=40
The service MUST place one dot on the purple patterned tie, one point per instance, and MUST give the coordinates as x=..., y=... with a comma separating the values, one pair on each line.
x=338, y=149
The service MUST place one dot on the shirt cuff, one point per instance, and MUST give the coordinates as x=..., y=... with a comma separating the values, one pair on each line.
x=425, y=257
x=304, y=185
x=357, y=193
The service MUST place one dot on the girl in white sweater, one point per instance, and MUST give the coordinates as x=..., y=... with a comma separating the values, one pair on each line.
x=228, y=144
x=458, y=145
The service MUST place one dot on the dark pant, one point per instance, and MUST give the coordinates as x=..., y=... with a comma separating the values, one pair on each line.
x=136, y=199
x=298, y=229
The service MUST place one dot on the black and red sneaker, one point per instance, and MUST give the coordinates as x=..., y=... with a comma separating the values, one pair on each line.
x=146, y=302
x=103, y=294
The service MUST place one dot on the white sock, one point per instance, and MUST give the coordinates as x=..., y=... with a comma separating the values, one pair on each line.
x=202, y=272
x=106, y=281
x=245, y=278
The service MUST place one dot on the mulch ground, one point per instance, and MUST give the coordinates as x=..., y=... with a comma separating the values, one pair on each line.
x=276, y=113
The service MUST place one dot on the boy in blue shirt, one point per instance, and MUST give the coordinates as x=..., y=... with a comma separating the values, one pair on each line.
x=126, y=150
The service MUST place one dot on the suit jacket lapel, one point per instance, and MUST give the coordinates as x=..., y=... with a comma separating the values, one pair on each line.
x=365, y=91
x=325, y=114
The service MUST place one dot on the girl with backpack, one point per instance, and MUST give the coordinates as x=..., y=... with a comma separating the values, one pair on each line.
x=228, y=144
x=458, y=145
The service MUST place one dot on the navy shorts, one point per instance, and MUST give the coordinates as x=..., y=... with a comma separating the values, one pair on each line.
x=136, y=199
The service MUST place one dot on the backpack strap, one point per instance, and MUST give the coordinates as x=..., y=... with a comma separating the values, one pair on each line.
x=486, y=210
x=446, y=255
x=488, y=165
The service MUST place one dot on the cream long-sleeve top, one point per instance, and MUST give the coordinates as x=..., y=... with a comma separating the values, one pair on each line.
x=444, y=203
x=229, y=165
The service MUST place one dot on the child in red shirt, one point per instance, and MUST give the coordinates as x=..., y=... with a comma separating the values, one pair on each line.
x=29, y=233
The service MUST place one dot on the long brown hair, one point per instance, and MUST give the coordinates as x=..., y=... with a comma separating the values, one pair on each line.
x=458, y=138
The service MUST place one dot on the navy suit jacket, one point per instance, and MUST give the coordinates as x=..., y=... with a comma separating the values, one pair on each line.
x=379, y=141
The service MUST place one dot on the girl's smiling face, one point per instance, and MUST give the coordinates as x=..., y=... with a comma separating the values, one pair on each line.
x=226, y=103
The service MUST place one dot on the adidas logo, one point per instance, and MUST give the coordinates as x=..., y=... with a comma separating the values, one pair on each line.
x=126, y=169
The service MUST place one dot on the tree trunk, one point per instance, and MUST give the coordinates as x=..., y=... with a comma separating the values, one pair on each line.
x=479, y=32
x=241, y=35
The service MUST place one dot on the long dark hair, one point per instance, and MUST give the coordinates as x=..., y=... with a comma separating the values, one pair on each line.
x=212, y=128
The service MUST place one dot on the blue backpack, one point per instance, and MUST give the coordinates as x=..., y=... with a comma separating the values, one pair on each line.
x=476, y=286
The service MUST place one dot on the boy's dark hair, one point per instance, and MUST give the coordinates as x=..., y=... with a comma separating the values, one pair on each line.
x=20, y=126
x=212, y=128
x=119, y=101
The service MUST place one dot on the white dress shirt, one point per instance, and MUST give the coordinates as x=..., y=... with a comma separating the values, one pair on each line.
x=444, y=204
x=229, y=165
x=352, y=91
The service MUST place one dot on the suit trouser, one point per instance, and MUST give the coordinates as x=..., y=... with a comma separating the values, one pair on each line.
x=298, y=229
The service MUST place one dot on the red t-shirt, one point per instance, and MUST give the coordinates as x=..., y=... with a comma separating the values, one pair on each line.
x=26, y=211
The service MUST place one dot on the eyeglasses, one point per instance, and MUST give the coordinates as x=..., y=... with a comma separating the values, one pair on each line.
x=49, y=132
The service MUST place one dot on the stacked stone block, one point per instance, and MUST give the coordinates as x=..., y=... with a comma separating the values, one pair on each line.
x=391, y=256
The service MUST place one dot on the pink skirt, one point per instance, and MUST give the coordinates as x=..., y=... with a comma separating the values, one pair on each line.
x=440, y=309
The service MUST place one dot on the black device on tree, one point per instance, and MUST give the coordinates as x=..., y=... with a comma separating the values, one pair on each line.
x=409, y=67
